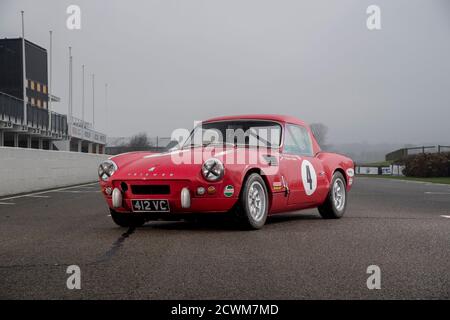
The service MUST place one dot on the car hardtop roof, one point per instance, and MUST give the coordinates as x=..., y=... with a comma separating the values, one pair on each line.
x=272, y=117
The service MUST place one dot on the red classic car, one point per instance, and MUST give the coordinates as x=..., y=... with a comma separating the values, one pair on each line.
x=249, y=166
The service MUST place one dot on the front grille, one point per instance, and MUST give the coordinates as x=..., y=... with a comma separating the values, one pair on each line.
x=150, y=189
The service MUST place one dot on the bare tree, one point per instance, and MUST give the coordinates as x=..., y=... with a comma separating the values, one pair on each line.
x=320, y=133
x=139, y=140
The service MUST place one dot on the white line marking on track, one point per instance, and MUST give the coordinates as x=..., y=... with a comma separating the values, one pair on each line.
x=48, y=191
x=1, y=203
x=77, y=191
x=37, y=196
x=444, y=216
x=432, y=192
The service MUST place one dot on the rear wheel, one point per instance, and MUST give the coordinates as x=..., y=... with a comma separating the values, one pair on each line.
x=126, y=220
x=336, y=201
x=253, y=202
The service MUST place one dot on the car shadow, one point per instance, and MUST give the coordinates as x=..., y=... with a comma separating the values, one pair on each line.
x=225, y=223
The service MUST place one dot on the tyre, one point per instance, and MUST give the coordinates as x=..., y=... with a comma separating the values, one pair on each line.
x=253, y=203
x=126, y=220
x=336, y=201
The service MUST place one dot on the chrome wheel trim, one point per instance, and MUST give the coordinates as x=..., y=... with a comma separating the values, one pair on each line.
x=339, y=194
x=256, y=201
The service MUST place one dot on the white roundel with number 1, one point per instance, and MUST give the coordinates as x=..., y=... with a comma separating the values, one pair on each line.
x=309, y=177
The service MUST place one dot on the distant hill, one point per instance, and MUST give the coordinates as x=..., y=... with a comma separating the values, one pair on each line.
x=364, y=152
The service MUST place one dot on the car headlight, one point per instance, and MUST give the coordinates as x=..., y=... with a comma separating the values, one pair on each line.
x=213, y=170
x=106, y=169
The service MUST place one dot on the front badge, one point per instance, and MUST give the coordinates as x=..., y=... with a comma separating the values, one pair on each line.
x=228, y=191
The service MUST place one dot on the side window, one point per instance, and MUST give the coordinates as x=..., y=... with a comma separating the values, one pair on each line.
x=297, y=141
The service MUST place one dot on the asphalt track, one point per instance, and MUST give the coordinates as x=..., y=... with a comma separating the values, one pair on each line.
x=402, y=227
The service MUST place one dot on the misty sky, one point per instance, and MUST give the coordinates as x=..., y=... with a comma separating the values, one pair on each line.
x=170, y=62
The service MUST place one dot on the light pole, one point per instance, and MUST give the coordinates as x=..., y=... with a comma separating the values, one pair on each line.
x=24, y=71
x=50, y=88
x=93, y=100
x=106, y=107
x=70, y=90
x=82, y=95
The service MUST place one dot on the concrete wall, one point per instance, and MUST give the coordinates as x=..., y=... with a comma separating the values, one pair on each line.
x=27, y=170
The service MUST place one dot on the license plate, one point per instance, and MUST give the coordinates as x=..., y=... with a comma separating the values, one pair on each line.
x=150, y=205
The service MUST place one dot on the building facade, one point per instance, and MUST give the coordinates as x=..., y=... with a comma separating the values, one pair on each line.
x=32, y=124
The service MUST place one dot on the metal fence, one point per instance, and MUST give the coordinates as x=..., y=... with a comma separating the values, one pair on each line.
x=443, y=148
x=37, y=117
x=59, y=123
x=404, y=152
x=11, y=110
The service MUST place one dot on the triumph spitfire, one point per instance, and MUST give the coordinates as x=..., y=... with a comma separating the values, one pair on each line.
x=249, y=166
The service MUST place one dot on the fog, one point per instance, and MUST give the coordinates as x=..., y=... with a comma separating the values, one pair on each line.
x=169, y=63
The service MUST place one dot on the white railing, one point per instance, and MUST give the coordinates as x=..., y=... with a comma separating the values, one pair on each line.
x=84, y=130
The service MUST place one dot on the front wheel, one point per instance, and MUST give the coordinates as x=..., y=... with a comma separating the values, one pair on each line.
x=253, y=202
x=126, y=220
x=336, y=201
